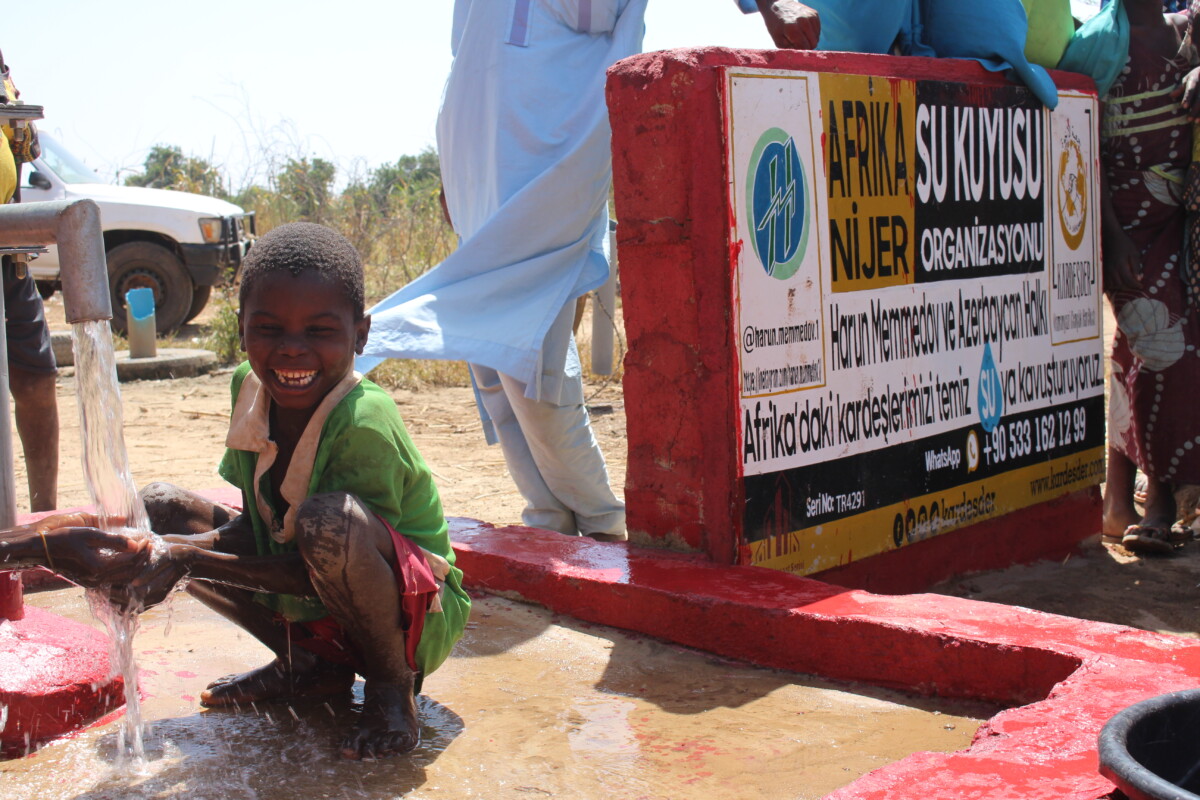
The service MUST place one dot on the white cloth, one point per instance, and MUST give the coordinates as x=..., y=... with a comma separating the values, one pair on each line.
x=250, y=430
x=524, y=139
x=550, y=452
x=526, y=166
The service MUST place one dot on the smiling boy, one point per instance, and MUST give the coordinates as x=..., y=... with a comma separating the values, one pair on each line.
x=340, y=562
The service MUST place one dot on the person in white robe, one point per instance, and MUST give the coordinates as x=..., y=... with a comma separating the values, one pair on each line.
x=523, y=137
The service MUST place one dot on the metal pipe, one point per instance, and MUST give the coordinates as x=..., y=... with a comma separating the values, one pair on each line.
x=604, y=311
x=73, y=225
x=8, y=487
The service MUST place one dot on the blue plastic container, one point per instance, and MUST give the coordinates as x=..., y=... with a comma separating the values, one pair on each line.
x=139, y=314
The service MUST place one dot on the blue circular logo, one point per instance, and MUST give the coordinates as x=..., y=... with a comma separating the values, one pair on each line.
x=778, y=203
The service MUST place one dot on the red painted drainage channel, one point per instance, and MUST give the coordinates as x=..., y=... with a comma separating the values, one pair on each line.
x=1062, y=678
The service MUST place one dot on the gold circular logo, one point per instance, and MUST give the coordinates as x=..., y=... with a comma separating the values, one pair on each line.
x=1072, y=193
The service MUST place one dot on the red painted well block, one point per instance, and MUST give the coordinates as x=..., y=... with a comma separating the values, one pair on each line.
x=12, y=604
x=54, y=673
x=54, y=679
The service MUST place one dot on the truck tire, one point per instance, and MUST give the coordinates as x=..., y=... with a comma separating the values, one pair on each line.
x=200, y=295
x=135, y=265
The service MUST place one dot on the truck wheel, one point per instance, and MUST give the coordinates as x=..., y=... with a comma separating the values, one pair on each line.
x=200, y=295
x=135, y=265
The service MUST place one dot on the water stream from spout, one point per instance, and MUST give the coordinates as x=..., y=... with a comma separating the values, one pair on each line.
x=110, y=483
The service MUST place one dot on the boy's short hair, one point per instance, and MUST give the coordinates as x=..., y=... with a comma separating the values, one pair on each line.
x=299, y=246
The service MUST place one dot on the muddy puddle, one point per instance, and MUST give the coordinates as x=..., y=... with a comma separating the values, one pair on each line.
x=530, y=705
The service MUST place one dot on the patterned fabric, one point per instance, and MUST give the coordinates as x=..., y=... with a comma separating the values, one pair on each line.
x=1146, y=149
x=1191, y=200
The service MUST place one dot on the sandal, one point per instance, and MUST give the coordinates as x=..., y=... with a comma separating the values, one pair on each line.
x=1148, y=539
x=1181, y=533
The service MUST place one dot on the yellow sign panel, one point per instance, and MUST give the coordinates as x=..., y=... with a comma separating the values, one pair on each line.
x=834, y=544
x=870, y=169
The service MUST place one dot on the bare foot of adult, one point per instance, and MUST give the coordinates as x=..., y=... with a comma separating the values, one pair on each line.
x=1119, y=510
x=1117, y=518
x=277, y=680
x=388, y=724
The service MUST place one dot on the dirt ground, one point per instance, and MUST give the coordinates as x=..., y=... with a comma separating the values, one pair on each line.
x=174, y=431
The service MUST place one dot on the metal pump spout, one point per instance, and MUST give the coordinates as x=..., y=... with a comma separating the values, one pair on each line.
x=73, y=225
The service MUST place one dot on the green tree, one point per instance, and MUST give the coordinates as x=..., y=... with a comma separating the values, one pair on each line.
x=410, y=175
x=392, y=215
x=166, y=167
x=308, y=185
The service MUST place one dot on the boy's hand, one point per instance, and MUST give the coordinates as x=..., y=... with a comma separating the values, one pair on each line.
x=74, y=519
x=792, y=25
x=91, y=557
x=156, y=580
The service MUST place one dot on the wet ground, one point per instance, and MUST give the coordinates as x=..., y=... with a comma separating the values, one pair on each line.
x=530, y=705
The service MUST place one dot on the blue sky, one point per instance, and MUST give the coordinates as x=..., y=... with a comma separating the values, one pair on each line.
x=356, y=82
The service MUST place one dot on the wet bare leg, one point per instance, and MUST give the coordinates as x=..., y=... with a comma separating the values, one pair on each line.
x=349, y=553
x=1119, y=510
x=185, y=516
x=180, y=512
x=294, y=672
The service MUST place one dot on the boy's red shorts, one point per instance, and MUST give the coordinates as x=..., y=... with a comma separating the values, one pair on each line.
x=325, y=638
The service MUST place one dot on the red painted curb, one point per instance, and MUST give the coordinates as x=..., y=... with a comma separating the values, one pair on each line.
x=1071, y=675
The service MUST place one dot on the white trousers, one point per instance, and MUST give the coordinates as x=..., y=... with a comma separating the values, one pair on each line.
x=553, y=457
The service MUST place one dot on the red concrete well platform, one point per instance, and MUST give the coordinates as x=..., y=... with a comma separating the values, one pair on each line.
x=54, y=673
x=54, y=679
x=1061, y=678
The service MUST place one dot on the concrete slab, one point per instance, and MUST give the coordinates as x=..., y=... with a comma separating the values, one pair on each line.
x=64, y=352
x=168, y=362
x=529, y=705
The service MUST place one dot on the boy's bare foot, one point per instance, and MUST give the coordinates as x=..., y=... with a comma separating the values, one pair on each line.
x=277, y=680
x=388, y=724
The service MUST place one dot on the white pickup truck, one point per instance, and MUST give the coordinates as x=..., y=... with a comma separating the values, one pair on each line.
x=177, y=243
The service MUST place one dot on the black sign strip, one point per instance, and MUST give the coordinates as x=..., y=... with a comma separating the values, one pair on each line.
x=788, y=500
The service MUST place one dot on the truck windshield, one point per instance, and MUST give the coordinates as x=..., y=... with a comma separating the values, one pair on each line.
x=65, y=165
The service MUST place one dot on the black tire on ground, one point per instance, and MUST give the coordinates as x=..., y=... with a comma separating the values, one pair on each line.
x=200, y=295
x=46, y=289
x=136, y=265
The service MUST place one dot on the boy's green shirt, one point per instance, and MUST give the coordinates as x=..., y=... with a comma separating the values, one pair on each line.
x=364, y=450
